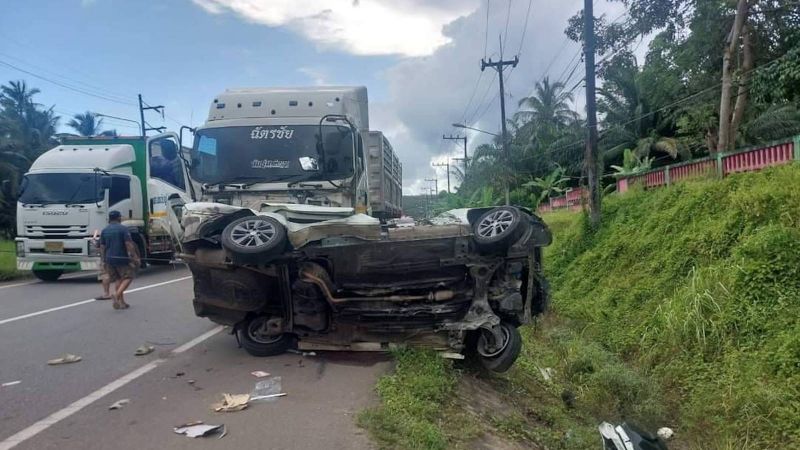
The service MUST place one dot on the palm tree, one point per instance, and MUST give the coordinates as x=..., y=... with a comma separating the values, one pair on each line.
x=86, y=124
x=548, y=106
x=16, y=98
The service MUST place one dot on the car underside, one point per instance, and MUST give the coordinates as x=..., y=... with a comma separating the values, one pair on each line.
x=280, y=279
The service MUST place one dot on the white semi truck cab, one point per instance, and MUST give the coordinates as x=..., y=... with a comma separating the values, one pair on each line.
x=66, y=195
x=274, y=146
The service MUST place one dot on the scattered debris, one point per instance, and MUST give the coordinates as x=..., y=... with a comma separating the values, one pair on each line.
x=264, y=397
x=451, y=355
x=547, y=373
x=224, y=432
x=191, y=381
x=267, y=390
x=199, y=429
x=231, y=403
x=68, y=358
x=298, y=352
x=119, y=404
x=259, y=374
x=143, y=350
x=10, y=383
x=628, y=437
x=665, y=433
x=180, y=374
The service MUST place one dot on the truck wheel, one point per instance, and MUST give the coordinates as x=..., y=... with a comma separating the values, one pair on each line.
x=47, y=275
x=499, y=356
x=499, y=228
x=250, y=238
x=255, y=340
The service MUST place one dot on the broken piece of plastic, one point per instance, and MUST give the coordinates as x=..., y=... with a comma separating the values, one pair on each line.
x=231, y=403
x=143, y=350
x=119, y=404
x=10, y=383
x=198, y=429
x=259, y=374
x=264, y=397
x=66, y=359
x=266, y=390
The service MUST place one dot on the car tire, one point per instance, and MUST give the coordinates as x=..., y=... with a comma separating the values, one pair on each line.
x=499, y=228
x=48, y=275
x=502, y=358
x=258, y=344
x=250, y=238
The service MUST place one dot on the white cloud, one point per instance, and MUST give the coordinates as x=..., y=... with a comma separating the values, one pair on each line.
x=365, y=27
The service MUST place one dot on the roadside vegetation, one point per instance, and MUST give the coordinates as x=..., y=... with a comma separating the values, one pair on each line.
x=8, y=260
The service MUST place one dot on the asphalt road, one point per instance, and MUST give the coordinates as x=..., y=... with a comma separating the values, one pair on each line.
x=194, y=362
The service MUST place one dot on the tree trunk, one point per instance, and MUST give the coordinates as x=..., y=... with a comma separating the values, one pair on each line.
x=744, y=83
x=725, y=95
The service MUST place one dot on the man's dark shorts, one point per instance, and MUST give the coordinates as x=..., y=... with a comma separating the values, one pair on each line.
x=117, y=273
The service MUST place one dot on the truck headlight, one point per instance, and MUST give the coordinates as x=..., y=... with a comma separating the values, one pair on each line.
x=20, y=248
x=92, y=248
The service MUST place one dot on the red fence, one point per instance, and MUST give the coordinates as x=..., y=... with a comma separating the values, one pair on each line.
x=720, y=165
x=572, y=200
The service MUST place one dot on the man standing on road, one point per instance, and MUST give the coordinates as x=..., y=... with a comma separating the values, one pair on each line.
x=119, y=256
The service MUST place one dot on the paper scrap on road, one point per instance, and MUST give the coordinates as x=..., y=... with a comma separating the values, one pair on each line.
x=259, y=374
x=119, y=404
x=66, y=359
x=10, y=383
x=231, y=403
x=143, y=350
x=198, y=429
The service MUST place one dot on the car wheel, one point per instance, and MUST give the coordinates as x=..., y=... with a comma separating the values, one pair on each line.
x=48, y=275
x=252, y=237
x=255, y=340
x=499, y=356
x=499, y=228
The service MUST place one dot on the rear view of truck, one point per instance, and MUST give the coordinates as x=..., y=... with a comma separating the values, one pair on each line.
x=385, y=178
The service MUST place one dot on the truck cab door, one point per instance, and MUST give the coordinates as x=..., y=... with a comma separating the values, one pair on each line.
x=166, y=177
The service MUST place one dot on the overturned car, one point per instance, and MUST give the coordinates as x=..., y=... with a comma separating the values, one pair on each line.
x=324, y=278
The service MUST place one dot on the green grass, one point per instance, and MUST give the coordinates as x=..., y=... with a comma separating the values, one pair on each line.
x=8, y=260
x=685, y=300
x=414, y=403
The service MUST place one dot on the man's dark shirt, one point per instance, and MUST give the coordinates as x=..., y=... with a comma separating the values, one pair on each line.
x=114, y=237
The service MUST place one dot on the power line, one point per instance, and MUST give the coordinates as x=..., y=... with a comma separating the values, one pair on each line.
x=525, y=28
x=65, y=86
x=505, y=33
x=486, y=28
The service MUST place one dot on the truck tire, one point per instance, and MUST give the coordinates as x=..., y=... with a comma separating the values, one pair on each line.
x=251, y=238
x=499, y=357
x=256, y=343
x=48, y=275
x=499, y=228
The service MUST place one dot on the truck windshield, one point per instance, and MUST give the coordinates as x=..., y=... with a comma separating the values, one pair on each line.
x=272, y=153
x=47, y=188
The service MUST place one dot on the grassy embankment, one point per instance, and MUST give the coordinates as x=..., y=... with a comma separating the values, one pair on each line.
x=680, y=311
x=8, y=260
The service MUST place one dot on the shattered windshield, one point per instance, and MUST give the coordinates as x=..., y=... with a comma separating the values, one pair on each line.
x=47, y=188
x=272, y=153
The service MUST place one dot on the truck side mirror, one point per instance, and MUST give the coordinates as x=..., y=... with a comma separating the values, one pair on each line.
x=105, y=182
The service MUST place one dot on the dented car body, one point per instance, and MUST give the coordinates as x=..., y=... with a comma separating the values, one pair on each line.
x=325, y=278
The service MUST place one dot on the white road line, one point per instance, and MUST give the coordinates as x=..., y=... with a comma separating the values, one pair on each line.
x=83, y=302
x=197, y=340
x=27, y=283
x=78, y=405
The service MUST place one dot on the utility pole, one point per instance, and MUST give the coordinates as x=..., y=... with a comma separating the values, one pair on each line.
x=590, y=159
x=435, y=183
x=498, y=66
x=144, y=107
x=459, y=138
x=447, y=165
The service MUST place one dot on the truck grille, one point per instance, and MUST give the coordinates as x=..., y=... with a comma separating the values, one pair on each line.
x=56, y=231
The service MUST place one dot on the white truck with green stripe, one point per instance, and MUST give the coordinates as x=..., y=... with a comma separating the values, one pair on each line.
x=66, y=195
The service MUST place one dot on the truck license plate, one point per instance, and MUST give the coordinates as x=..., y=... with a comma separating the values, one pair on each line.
x=54, y=247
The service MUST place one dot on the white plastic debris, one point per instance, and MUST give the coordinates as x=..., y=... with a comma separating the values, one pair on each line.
x=119, y=404
x=665, y=433
x=547, y=373
x=259, y=374
x=68, y=358
x=267, y=390
x=10, y=383
x=198, y=429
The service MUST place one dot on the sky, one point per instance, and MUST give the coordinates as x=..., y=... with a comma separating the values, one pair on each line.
x=419, y=59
